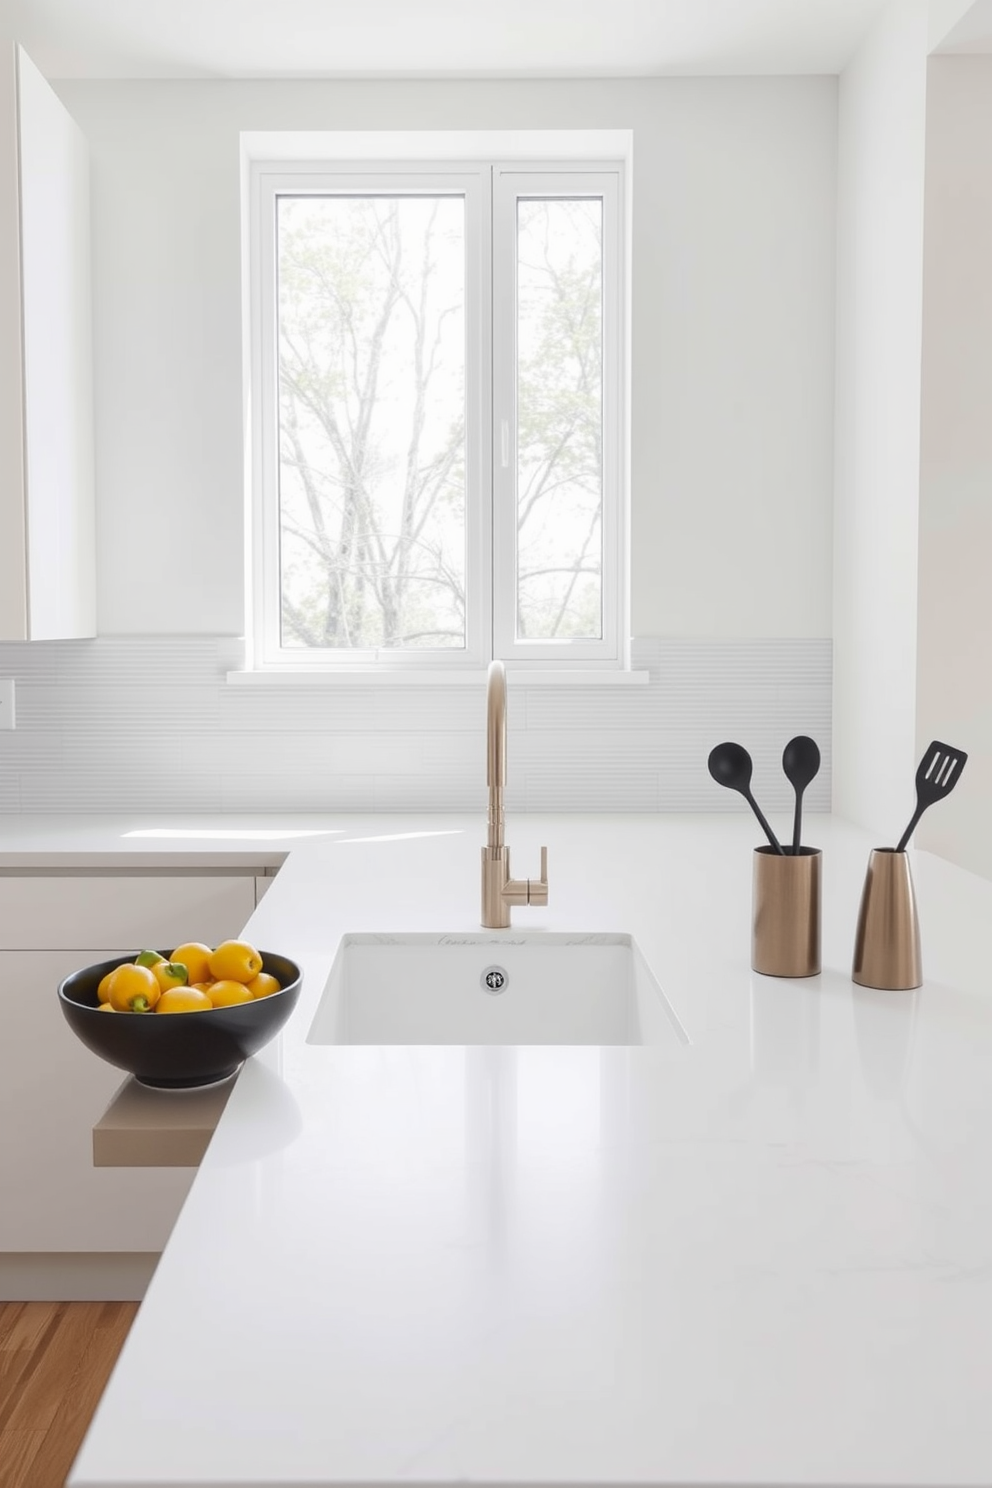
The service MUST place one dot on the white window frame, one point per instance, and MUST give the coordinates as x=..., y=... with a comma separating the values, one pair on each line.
x=511, y=183
x=490, y=344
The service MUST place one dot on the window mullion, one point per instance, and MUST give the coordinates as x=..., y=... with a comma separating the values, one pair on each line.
x=504, y=415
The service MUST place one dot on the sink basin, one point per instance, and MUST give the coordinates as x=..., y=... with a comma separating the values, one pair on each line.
x=490, y=988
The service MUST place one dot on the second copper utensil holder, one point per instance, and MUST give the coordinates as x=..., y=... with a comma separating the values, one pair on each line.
x=785, y=936
x=887, y=942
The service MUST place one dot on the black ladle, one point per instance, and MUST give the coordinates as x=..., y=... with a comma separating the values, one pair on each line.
x=800, y=761
x=730, y=765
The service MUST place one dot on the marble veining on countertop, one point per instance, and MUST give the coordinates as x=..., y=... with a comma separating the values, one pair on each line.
x=762, y=1258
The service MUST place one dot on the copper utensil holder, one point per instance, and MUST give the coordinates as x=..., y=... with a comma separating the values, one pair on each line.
x=785, y=935
x=887, y=942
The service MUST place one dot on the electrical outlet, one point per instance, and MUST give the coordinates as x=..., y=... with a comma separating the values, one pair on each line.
x=6, y=702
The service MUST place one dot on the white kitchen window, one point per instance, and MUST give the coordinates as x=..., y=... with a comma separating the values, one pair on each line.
x=436, y=415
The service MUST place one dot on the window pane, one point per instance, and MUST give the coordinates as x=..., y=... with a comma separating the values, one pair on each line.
x=559, y=418
x=371, y=307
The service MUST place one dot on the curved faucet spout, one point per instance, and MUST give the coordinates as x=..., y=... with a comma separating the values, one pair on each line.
x=496, y=725
x=499, y=890
x=496, y=751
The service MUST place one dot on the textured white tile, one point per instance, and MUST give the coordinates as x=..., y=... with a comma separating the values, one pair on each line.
x=10, y=793
x=619, y=708
x=443, y=793
x=432, y=708
x=98, y=751
x=291, y=709
x=106, y=792
x=549, y=788
x=29, y=747
x=581, y=751
x=149, y=722
x=286, y=792
x=135, y=706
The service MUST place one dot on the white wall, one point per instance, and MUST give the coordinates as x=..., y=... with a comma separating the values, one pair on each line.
x=945, y=16
x=881, y=134
x=733, y=264
x=955, y=571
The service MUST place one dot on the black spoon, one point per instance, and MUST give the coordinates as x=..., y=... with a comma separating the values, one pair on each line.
x=800, y=761
x=730, y=765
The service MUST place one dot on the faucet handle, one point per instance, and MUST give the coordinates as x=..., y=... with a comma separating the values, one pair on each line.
x=526, y=890
x=537, y=888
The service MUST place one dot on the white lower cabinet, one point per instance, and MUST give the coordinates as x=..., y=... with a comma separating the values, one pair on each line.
x=52, y=1088
x=57, y=912
x=54, y=1091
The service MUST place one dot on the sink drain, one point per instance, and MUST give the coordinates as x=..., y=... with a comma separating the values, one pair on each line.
x=493, y=980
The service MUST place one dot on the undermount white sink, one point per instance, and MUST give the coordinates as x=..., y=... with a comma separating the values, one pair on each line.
x=486, y=988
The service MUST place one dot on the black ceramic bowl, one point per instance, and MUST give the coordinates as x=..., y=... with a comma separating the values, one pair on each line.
x=174, y=1051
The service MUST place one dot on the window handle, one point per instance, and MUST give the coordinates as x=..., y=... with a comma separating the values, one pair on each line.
x=504, y=433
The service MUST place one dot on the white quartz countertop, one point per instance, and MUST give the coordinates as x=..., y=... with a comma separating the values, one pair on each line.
x=764, y=1258
x=53, y=842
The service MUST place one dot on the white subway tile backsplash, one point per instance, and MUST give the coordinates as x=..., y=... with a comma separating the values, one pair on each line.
x=112, y=750
x=447, y=792
x=106, y=705
x=108, y=794
x=139, y=723
x=600, y=788
x=630, y=709
x=263, y=793
x=458, y=709
x=29, y=747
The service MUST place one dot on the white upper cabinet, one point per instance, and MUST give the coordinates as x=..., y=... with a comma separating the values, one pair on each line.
x=47, y=541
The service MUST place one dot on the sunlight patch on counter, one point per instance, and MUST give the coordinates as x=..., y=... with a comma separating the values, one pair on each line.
x=231, y=834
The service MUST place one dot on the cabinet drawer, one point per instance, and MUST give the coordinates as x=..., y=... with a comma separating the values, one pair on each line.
x=56, y=913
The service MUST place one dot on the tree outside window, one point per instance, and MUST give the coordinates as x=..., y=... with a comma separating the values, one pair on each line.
x=373, y=501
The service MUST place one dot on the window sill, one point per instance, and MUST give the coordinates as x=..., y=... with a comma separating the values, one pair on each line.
x=377, y=677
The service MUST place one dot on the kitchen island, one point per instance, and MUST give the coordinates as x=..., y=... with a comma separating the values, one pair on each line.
x=764, y=1257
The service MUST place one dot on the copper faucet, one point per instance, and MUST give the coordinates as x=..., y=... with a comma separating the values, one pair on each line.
x=499, y=890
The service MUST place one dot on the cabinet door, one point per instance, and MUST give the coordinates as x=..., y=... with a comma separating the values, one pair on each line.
x=53, y=1091
x=47, y=542
x=51, y=911
x=13, y=533
x=58, y=363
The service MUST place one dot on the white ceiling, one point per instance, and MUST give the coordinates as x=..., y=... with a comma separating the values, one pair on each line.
x=437, y=38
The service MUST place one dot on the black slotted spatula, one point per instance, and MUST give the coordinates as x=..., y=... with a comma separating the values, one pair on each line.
x=938, y=773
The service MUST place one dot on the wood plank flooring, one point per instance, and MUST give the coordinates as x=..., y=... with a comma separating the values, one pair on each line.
x=55, y=1359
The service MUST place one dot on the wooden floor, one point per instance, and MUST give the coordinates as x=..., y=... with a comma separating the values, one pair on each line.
x=55, y=1359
